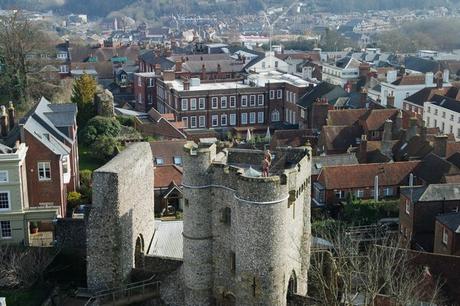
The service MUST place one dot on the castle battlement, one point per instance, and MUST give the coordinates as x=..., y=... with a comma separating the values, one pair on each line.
x=246, y=236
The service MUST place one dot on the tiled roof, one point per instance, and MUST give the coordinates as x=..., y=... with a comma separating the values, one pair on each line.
x=293, y=138
x=363, y=175
x=167, y=149
x=346, y=117
x=167, y=174
x=410, y=80
x=320, y=162
x=437, y=192
x=451, y=220
x=339, y=137
x=375, y=119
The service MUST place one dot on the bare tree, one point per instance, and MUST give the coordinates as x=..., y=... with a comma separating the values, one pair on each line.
x=349, y=272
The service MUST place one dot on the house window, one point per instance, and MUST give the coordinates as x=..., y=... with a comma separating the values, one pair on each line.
x=407, y=207
x=193, y=121
x=276, y=64
x=177, y=160
x=202, y=121
x=260, y=100
x=429, y=109
x=159, y=161
x=275, y=116
x=139, y=81
x=445, y=236
x=260, y=117
x=193, y=104
x=388, y=191
x=339, y=194
x=232, y=119
x=244, y=101
x=5, y=227
x=150, y=82
x=444, y=114
x=279, y=94
x=185, y=121
x=244, y=118
x=252, y=100
x=451, y=117
x=201, y=103
x=443, y=126
x=223, y=102
x=3, y=176
x=4, y=200
x=63, y=69
x=252, y=117
x=215, y=120
x=436, y=111
x=359, y=193
x=44, y=171
x=232, y=101
x=427, y=121
x=184, y=103
x=214, y=102
x=272, y=94
x=223, y=120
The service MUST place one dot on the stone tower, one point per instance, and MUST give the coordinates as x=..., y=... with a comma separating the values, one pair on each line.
x=246, y=237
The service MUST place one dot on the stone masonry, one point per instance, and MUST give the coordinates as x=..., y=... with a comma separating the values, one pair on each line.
x=246, y=237
x=122, y=216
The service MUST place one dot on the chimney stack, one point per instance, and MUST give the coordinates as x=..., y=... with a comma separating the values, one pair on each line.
x=387, y=130
x=363, y=97
x=446, y=76
x=169, y=75
x=4, y=121
x=178, y=65
x=362, y=153
x=440, y=145
x=412, y=130
x=157, y=69
x=11, y=115
x=429, y=79
x=186, y=84
x=391, y=101
x=439, y=79
x=203, y=72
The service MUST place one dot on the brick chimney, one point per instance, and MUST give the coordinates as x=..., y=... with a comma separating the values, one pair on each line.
x=178, y=65
x=4, y=121
x=439, y=79
x=203, y=72
x=412, y=130
x=157, y=69
x=362, y=153
x=440, y=145
x=169, y=75
x=391, y=101
x=363, y=100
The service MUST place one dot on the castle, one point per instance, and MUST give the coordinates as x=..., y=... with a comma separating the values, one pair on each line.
x=246, y=236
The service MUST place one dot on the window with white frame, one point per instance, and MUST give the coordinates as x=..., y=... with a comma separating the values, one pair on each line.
x=185, y=121
x=260, y=117
x=252, y=100
x=201, y=103
x=293, y=97
x=232, y=119
x=139, y=81
x=359, y=193
x=3, y=176
x=279, y=93
x=223, y=120
x=272, y=94
x=5, y=229
x=232, y=101
x=215, y=120
x=63, y=69
x=44, y=171
x=177, y=160
x=244, y=118
x=260, y=100
x=193, y=104
x=275, y=116
x=159, y=161
x=150, y=82
x=388, y=191
x=184, y=104
x=223, y=102
x=445, y=236
x=252, y=117
x=339, y=194
x=407, y=207
x=244, y=101
x=202, y=121
x=5, y=200
x=214, y=101
x=193, y=121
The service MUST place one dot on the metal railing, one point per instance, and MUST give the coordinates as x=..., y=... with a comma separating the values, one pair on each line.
x=129, y=293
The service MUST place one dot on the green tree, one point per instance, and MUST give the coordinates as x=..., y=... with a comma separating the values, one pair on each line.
x=98, y=127
x=104, y=148
x=83, y=95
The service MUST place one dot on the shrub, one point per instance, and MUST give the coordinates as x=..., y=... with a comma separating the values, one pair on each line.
x=104, y=148
x=99, y=127
x=369, y=211
x=73, y=199
x=126, y=120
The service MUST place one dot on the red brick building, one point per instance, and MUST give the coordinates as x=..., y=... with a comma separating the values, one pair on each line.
x=447, y=234
x=50, y=132
x=419, y=207
x=335, y=182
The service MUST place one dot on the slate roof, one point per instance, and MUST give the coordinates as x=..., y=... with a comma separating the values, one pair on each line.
x=421, y=64
x=416, y=148
x=425, y=95
x=439, y=192
x=167, y=241
x=455, y=159
x=164, y=175
x=320, y=162
x=363, y=175
x=433, y=168
x=323, y=90
x=445, y=102
x=451, y=221
x=151, y=58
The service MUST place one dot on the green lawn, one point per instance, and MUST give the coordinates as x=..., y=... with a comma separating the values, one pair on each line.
x=86, y=161
x=25, y=297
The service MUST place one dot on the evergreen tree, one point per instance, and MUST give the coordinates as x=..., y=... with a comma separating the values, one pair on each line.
x=83, y=95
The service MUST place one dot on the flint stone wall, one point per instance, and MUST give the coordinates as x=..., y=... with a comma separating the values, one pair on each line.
x=122, y=211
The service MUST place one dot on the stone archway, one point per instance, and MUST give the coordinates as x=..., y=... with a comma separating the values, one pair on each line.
x=139, y=252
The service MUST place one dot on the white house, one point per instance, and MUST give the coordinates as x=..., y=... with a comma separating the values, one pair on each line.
x=269, y=63
x=443, y=113
x=343, y=71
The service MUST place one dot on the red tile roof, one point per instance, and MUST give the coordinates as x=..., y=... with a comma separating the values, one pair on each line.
x=167, y=149
x=363, y=175
x=345, y=117
x=167, y=174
